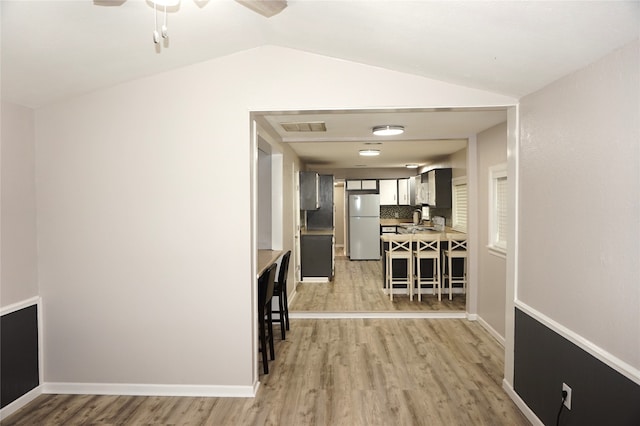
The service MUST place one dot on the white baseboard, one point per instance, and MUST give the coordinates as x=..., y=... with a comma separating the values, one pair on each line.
x=491, y=330
x=315, y=280
x=291, y=296
x=151, y=390
x=20, y=402
x=530, y=415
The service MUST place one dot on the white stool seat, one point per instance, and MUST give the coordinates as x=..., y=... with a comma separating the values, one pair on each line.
x=399, y=248
x=427, y=246
x=456, y=249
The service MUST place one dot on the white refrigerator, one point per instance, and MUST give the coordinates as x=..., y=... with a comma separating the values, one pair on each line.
x=364, y=227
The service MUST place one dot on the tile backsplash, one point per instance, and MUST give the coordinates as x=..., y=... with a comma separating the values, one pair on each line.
x=406, y=212
x=403, y=212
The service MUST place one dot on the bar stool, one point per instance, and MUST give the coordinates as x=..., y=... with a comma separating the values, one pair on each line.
x=427, y=246
x=265, y=326
x=280, y=291
x=399, y=248
x=456, y=249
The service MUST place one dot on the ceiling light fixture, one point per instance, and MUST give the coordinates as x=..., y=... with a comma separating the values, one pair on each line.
x=388, y=130
x=369, y=152
x=163, y=31
x=266, y=8
x=411, y=166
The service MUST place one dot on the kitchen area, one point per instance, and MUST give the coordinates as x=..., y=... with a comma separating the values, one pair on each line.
x=375, y=210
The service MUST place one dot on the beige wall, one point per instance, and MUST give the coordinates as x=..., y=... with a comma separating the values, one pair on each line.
x=579, y=207
x=145, y=277
x=458, y=163
x=491, y=151
x=18, y=256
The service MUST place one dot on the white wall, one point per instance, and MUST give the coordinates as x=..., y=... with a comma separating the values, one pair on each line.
x=144, y=278
x=264, y=201
x=491, y=151
x=458, y=163
x=18, y=258
x=579, y=203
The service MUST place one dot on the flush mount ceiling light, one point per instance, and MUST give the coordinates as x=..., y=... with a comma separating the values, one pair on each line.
x=388, y=130
x=411, y=166
x=369, y=152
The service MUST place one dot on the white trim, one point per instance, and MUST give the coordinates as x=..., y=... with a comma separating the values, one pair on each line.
x=137, y=389
x=528, y=413
x=612, y=361
x=19, y=305
x=492, y=331
x=20, y=402
x=511, y=290
x=378, y=315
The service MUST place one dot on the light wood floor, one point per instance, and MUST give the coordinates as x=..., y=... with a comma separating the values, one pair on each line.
x=357, y=287
x=333, y=372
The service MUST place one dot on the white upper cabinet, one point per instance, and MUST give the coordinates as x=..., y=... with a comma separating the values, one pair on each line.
x=366, y=184
x=403, y=192
x=354, y=185
x=388, y=192
x=370, y=184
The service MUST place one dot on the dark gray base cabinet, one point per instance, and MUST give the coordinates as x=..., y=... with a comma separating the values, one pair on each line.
x=316, y=252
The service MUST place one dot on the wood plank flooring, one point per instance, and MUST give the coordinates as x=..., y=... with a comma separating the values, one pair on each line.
x=357, y=287
x=333, y=372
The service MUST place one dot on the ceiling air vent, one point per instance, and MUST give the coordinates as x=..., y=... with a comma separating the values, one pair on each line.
x=311, y=126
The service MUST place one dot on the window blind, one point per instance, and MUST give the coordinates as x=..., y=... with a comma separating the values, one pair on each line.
x=460, y=207
x=501, y=211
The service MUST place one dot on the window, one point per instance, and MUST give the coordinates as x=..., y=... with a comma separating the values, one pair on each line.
x=459, y=211
x=498, y=209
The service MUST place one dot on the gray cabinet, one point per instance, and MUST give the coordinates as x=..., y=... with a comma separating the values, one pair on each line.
x=316, y=256
x=439, y=184
x=309, y=191
x=322, y=217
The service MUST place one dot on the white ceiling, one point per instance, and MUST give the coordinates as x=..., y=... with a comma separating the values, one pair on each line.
x=54, y=50
x=429, y=135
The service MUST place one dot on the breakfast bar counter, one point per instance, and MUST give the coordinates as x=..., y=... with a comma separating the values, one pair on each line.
x=266, y=258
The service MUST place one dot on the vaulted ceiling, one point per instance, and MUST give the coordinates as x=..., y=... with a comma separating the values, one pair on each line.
x=54, y=50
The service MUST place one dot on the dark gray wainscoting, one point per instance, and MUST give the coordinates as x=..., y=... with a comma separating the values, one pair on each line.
x=544, y=360
x=19, y=372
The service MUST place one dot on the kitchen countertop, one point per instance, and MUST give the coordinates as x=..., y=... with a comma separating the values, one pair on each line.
x=266, y=258
x=395, y=222
x=443, y=234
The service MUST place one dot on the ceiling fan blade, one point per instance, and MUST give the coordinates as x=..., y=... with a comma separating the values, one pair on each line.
x=266, y=8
